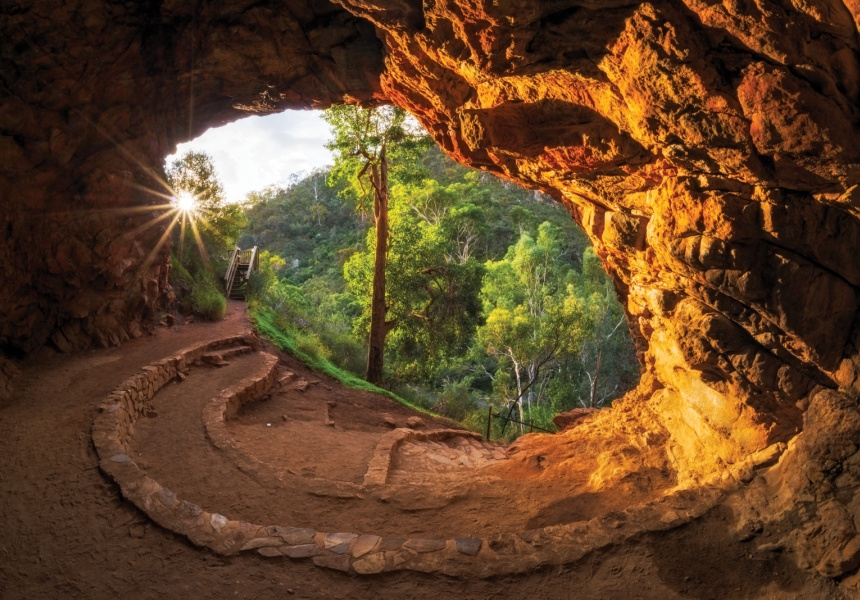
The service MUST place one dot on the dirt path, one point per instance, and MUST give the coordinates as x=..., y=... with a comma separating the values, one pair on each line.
x=65, y=532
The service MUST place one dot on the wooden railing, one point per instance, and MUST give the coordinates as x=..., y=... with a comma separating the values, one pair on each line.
x=232, y=267
x=244, y=261
x=253, y=259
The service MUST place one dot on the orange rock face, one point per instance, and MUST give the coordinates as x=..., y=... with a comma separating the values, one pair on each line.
x=710, y=150
x=712, y=154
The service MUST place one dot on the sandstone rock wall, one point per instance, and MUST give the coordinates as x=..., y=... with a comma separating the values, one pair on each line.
x=712, y=154
x=93, y=95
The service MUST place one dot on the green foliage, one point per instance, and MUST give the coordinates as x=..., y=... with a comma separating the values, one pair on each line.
x=206, y=298
x=508, y=209
x=456, y=399
x=180, y=279
x=468, y=254
x=555, y=331
x=199, y=293
x=314, y=315
x=194, y=172
x=606, y=365
x=212, y=227
x=364, y=138
x=280, y=333
x=312, y=242
x=367, y=144
x=218, y=222
x=432, y=301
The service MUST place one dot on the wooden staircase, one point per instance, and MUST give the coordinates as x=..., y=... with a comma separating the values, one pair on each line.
x=242, y=264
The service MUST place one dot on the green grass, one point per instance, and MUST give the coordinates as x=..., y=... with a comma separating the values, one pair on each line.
x=179, y=275
x=206, y=298
x=264, y=320
x=199, y=292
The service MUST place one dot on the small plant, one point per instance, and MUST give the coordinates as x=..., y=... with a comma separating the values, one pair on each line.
x=206, y=299
x=199, y=293
x=456, y=400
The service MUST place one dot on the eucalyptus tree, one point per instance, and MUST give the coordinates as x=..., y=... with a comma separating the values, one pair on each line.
x=432, y=301
x=193, y=176
x=367, y=143
x=534, y=314
x=607, y=356
x=203, y=218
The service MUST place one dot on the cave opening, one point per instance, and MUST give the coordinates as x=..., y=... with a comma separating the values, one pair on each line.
x=462, y=224
x=510, y=231
x=709, y=154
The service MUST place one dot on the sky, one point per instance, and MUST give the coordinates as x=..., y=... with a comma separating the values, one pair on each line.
x=259, y=151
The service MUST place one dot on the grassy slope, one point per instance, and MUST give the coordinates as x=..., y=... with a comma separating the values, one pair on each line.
x=264, y=322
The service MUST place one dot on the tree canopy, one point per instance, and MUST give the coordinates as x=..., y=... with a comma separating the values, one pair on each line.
x=219, y=222
x=205, y=222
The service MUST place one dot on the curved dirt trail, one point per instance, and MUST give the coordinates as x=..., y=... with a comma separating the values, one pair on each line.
x=65, y=532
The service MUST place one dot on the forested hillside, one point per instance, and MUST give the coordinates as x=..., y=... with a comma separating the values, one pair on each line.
x=494, y=295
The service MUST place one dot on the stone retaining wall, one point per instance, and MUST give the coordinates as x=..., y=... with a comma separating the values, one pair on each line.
x=346, y=551
x=225, y=405
x=380, y=464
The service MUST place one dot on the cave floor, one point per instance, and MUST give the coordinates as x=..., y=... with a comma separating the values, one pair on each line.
x=66, y=531
x=311, y=432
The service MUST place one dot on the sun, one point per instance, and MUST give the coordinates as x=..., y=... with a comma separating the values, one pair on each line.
x=185, y=201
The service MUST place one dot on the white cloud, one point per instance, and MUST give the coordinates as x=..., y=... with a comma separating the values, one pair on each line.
x=259, y=151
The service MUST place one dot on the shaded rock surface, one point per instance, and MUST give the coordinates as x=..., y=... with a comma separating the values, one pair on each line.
x=93, y=96
x=710, y=151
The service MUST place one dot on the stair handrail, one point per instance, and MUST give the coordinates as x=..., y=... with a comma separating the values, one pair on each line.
x=254, y=263
x=233, y=256
x=231, y=270
x=232, y=279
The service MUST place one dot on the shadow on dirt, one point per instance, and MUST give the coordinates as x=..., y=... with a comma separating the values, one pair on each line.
x=704, y=560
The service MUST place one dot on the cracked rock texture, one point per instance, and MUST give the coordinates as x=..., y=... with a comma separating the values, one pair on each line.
x=710, y=150
x=712, y=154
x=713, y=158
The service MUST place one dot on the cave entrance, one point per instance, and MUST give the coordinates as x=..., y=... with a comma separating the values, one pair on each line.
x=717, y=180
x=460, y=240
x=474, y=262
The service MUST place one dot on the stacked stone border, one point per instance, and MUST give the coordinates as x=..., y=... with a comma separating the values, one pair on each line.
x=225, y=406
x=380, y=463
x=368, y=553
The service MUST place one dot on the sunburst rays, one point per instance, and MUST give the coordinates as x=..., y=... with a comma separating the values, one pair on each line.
x=184, y=212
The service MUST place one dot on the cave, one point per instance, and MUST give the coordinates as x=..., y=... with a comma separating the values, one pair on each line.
x=710, y=151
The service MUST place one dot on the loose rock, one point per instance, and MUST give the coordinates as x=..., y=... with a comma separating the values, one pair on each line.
x=414, y=422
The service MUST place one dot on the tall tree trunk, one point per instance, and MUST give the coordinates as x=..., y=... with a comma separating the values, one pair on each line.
x=378, y=329
x=532, y=377
x=593, y=403
x=519, y=396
